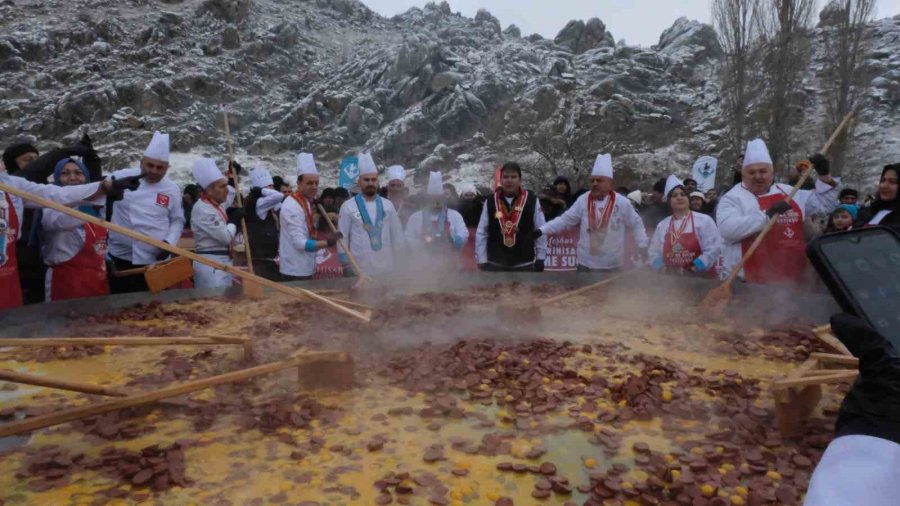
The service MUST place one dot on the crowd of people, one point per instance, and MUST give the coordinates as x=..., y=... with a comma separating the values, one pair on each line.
x=386, y=225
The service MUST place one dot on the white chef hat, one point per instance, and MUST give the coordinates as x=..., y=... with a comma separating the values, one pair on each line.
x=366, y=164
x=756, y=152
x=306, y=164
x=159, y=147
x=636, y=196
x=396, y=172
x=603, y=166
x=435, y=184
x=260, y=177
x=206, y=173
x=671, y=182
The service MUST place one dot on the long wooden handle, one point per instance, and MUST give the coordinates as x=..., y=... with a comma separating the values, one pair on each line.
x=343, y=243
x=79, y=412
x=72, y=386
x=803, y=177
x=240, y=199
x=175, y=250
x=130, y=272
x=553, y=300
x=119, y=341
x=836, y=377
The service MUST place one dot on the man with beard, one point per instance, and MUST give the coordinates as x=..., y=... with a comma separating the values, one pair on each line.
x=371, y=225
x=154, y=209
x=214, y=228
x=437, y=232
x=298, y=239
x=505, y=238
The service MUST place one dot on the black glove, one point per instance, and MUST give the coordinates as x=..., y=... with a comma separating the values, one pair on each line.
x=333, y=238
x=535, y=234
x=126, y=183
x=235, y=168
x=538, y=264
x=163, y=254
x=820, y=163
x=255, y=193
x=482, y=267
x=779, y=207
x=348, y=271
x=236, y=214
x=872, y=407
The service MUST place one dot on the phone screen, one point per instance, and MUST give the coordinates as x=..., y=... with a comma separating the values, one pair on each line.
x=868, y=265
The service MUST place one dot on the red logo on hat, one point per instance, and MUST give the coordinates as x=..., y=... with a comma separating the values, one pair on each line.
x=162, y=200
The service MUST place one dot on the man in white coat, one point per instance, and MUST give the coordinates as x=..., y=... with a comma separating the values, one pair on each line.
x=398, y=193
x=371, y=225
x=744, y=211
x=603, y=217
x=213, y=228
x=437, y=233
x=297, y=238
x=154, y=209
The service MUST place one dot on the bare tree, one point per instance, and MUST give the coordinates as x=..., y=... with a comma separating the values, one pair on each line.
x=784, y=26
x=736, y=25
x=845, y=29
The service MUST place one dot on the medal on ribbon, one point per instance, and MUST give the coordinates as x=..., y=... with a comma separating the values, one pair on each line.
x=598, y=222
x=433, y=229
x=372, y=229
x=509, y=218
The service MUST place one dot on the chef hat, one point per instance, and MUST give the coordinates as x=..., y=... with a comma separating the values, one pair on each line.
x=206, y=172
x=603, y=166
x=396, y=172
x=159, y=147
x=636, y=196
x=672, y=182
x=435, y=184
x=306, y=164
x=366, y=164
x=260, y=177
x=756, y=152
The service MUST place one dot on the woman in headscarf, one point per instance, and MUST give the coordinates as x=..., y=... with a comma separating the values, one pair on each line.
x=686, y=241
x=885, y=210
x=74, y=251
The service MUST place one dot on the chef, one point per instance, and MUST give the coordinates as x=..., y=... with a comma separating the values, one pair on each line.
x=213, y=228
x=154, y=209
x=262, y=206
x=505, y=239
x=371, y=225
x=603, y=216
x=74, y=251
x=744, y=211
x=297, y=239
x=686, y=241
x=398, y=193
x=10, y=211
x=436, y=230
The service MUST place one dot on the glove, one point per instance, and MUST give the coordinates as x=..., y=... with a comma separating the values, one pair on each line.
x=116, y=188
x=538, y=264
x=255, y=193
x=535, y=234
x=780, y=207
x=482, y=267
x=657, y=264
x=820, y=163
x=163, y=254
x=235, y=215
x=235, y=168
x=872, y=407
x=333, y=238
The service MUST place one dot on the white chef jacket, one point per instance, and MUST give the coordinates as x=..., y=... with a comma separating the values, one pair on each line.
x=612, y=252
x=738, y=215
x=270, y=201
x=373, y=263
x=856, y=470
x=62, y=237
x=293, y=237
x=154, y=210
x=416, y=240
x=66, y=195
x=481, y=233
x=211, y=231
x=707, y=234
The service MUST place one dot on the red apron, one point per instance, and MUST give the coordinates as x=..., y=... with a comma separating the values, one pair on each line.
x=681, y=247
x=10, y=290
x=84, y=275
x=781, y=258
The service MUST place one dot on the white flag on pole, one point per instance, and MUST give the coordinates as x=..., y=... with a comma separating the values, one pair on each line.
x=704, y=172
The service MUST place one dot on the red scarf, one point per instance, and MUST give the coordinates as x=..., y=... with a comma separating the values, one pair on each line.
x=215, y=206
x=307, y=207
x=509, y=220
x=603, y=224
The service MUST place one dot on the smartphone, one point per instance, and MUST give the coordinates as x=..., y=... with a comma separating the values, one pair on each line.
x=861, y=269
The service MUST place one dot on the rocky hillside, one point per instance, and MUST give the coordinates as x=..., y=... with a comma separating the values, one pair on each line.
x=429, y=89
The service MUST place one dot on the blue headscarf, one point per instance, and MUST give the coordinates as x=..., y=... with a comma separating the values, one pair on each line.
x=34, y=233
x=853, y=209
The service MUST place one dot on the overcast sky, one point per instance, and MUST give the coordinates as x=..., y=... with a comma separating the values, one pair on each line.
x=636, y=21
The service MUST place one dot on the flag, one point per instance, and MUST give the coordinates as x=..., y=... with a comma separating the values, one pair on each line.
x=704, y=172
x=496, y=178
x=349, y=172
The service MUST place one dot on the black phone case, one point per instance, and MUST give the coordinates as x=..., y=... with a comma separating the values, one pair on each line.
x=824, y=266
